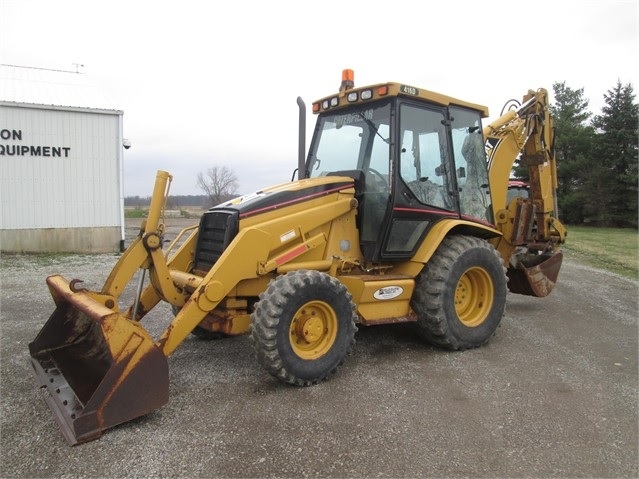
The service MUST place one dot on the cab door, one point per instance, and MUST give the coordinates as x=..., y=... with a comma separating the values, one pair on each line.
x=424, y=183
x=441, y=173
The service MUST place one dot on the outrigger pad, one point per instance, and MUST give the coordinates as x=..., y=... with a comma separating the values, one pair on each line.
x=99, y=368
x=536, y=275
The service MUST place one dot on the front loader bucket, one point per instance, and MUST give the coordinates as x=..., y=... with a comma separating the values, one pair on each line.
x=99, y=368
x=536, y=275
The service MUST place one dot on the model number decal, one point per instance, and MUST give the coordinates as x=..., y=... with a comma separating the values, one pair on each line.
x=409, y=90
x=388, y=292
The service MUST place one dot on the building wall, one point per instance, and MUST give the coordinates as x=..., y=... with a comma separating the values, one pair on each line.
x=61, y=240
x=60, y=179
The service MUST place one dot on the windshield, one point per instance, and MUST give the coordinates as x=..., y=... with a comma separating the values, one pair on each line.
x=356, y=144
x=355, y=140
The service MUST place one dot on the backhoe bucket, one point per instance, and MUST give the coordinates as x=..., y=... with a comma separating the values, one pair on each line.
x=99, y=368
x=536, y=275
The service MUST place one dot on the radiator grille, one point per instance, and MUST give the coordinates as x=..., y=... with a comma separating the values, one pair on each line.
x=217, y=230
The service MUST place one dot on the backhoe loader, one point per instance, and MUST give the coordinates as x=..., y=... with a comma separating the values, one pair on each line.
x=397, y=213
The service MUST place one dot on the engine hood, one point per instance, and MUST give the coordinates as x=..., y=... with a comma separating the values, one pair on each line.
x=286, y=194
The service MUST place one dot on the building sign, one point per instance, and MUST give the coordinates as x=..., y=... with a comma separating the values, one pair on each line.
x=28, y=150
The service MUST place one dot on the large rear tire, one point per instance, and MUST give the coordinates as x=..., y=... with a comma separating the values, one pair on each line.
x=303, y=327
x=460, y=295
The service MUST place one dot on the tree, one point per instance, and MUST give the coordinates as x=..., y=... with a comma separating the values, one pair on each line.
x=617, y=158
x=219, y=183
x=573, y=149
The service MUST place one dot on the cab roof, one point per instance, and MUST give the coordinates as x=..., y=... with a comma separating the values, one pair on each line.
x=351, y=96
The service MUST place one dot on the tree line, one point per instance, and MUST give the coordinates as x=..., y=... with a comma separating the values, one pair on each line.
x=219, y=184
x=174, y=202
x=597, y=157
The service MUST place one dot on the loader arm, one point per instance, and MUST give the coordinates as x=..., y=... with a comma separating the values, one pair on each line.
x=144, y=253
x=255, y=252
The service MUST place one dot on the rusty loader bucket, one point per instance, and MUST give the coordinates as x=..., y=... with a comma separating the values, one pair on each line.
x=535, y=275
x=99, y=368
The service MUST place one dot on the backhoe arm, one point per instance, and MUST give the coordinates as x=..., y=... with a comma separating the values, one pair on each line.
x=527, y=135
x=531, y=231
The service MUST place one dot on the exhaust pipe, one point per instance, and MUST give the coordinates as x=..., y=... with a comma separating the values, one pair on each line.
x=301, y=152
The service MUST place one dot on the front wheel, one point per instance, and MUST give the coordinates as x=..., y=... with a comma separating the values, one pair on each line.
x=460, y=295
x=303, y=327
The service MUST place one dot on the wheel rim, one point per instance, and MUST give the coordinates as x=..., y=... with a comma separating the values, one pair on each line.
x=313, y=330
x=474, y=297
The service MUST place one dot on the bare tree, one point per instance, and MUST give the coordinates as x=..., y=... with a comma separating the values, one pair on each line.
x=219, y=183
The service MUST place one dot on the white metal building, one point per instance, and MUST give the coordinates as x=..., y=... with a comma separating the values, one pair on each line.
x=61, y=151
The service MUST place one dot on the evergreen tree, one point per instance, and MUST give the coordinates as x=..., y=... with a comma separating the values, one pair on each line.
x=573, y=150
x=617, y=156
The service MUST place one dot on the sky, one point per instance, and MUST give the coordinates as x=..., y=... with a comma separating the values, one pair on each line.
x=205, y=84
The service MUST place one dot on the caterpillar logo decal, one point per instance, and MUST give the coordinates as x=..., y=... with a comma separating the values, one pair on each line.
x=388, y=292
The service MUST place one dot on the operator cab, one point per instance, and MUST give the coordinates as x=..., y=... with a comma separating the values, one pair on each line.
x=415, y=161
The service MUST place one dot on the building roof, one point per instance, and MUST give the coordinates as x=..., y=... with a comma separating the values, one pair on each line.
x=40, y=86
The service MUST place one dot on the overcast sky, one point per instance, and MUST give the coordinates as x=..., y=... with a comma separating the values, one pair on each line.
x=215, y=83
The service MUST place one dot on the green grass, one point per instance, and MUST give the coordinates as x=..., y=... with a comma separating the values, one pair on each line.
x=135, y=213
x=612, y=249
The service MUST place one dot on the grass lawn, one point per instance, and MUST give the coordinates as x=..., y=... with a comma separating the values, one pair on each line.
x=136, y=213
x=613, y=249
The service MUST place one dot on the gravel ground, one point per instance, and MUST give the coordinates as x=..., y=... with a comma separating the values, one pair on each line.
x=553, y=394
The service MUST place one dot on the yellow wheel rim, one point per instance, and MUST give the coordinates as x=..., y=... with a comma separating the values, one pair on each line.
x=474, y=297
x=313, y=330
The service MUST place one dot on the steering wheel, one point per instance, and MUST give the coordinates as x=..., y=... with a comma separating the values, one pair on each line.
x=381, y=184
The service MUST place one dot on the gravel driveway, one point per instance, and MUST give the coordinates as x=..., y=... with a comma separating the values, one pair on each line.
x=553, y=394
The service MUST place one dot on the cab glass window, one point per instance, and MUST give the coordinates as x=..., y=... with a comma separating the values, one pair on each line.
x=424, y=156
x=471, y=168
x=356, y=140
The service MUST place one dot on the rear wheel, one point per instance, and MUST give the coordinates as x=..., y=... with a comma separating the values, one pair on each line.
x=460, y=295
x=303, y=327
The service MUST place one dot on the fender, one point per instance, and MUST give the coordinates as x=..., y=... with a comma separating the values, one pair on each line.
x=436, y=235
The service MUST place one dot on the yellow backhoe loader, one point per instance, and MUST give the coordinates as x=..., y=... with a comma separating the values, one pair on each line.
x=399, y=213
